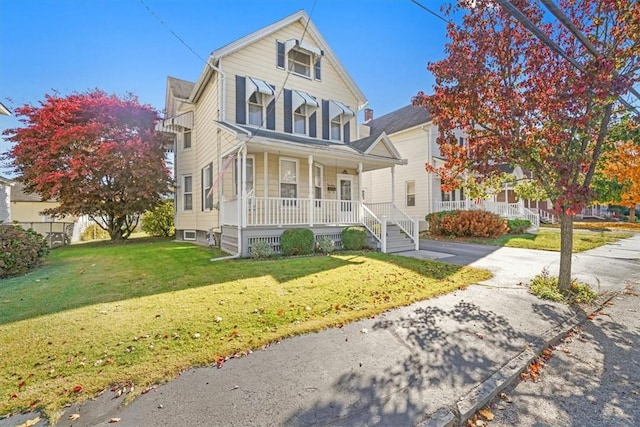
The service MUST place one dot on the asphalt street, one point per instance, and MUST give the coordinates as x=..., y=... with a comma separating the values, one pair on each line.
x=592, y=378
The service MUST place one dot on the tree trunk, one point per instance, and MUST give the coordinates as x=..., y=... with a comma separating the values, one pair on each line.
x=632, y=213
x=566, y=250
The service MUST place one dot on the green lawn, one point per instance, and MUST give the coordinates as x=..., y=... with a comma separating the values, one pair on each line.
x=549, y=239
x=100, y=314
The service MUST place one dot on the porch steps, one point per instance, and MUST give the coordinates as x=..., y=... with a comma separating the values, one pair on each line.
x=397, y=240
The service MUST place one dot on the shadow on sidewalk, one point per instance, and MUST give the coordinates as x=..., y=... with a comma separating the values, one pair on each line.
x=449, y=353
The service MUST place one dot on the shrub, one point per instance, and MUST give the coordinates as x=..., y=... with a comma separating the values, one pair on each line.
x=159, y=220
x=325, y=245
x=518, y=226
x=353, y=238
x=297, y=241
x=434, y=218
x=94, y=232
x=20, y=250
x=467, y=224
x=261, y=249
x=546, y=287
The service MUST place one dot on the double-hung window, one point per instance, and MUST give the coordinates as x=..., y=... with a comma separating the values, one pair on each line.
x=186, y=140
x=300, y=120
x=410, y=193
x=259, y=93
x=299, y=62
x=303, y=106
x=256, y=109
x=187, y=193
x=336, y=128
x=207, y=182
x=289, y=181
x=302, y=58
x=337, y=121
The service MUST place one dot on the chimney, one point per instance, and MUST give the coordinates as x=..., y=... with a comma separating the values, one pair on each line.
x=368, y=115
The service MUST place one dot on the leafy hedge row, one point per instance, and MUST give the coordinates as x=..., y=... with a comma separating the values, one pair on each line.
x=20, y=250
x=466, y=224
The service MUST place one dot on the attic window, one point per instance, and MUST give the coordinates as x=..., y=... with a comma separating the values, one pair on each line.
x=301, y=58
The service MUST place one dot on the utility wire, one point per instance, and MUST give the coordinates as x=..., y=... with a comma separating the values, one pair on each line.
x=436, y=14
x=555, y=10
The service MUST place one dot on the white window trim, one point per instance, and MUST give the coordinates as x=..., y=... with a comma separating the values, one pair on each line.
x=280, y=182
x=341, y=128
x=407, y=194
x=184, y=235
x=234, y=171
x=190, y=140
x=306, y=120
x=184, y=177
x=263, y=107
x=205, y=175
x=290, y=62
x=321, y=167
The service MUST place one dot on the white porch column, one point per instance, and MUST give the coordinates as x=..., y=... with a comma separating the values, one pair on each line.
x=393, y=185
x=383, y=234
x=310, y=162
x=243, y=181
x=265, y=181
x=360, y=201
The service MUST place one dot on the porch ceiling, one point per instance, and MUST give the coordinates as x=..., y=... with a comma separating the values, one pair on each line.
x=338, y=156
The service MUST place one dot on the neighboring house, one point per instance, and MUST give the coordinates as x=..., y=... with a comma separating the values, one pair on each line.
x=268, y=139
x=29, y=207
x=5, y=200
x=417, y=192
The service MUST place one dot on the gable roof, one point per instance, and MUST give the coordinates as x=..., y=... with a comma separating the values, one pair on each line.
x=399, y=120
x=180, y=88
x=242, y=42
x=18, y=194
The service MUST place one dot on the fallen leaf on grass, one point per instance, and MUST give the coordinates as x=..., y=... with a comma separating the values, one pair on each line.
x=77, y=389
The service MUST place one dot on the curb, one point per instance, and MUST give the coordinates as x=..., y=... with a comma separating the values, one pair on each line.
x=478, y=397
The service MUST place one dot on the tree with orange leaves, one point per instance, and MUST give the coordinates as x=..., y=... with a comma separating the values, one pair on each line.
x=521, y=103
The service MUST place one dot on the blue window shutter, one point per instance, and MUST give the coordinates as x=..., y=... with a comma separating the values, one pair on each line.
x=317, y=69
x=241, y=100
x=313, y=132
x=347, y=132
x=288, y=111
x=325, y=119
x=271, y=112
x=280, y=54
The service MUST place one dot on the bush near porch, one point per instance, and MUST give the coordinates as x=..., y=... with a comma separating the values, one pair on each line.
x=102, y=315
x=466, y=223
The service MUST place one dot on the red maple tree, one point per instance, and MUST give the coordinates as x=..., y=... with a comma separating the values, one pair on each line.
x=96, y=154
x=520, y=103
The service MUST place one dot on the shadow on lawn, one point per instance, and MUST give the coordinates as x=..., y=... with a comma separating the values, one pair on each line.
x=103, y=272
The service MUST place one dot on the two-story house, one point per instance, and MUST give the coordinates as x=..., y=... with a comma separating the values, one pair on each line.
x=268, y=138
x=417, y=192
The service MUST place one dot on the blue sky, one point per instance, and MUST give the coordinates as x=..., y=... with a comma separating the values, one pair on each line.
x=119, y=46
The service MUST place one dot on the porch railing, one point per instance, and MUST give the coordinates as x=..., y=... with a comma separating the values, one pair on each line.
x=505, y=210
x=280, y=211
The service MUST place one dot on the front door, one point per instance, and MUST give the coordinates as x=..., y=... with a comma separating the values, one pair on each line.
x=346, y=208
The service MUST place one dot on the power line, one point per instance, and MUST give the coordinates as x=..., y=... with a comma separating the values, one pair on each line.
x=436, y=14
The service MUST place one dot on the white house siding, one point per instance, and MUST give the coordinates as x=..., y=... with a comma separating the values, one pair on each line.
x=259, y=60
x=414, y=145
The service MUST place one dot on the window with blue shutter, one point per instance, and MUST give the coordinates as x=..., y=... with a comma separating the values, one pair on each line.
x=347, y=132
x=313, y=132
x=241, y=100
x=325, y=119
x=288, y=111
x=280, y=54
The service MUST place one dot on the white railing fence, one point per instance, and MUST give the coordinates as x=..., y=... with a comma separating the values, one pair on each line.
x=505, y=210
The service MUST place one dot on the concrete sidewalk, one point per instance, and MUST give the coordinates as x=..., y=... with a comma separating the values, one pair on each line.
x=438, y=357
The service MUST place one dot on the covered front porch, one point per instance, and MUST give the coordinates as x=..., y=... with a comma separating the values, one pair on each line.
x=265, y=192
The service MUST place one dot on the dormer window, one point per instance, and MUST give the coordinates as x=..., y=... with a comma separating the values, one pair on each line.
x=301, y=58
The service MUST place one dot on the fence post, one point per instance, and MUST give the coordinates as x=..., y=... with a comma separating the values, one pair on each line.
x=416, y=232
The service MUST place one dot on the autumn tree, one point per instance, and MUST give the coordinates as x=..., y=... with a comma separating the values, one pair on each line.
x=619, y=170
x=521, y=103
x=96, y=154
